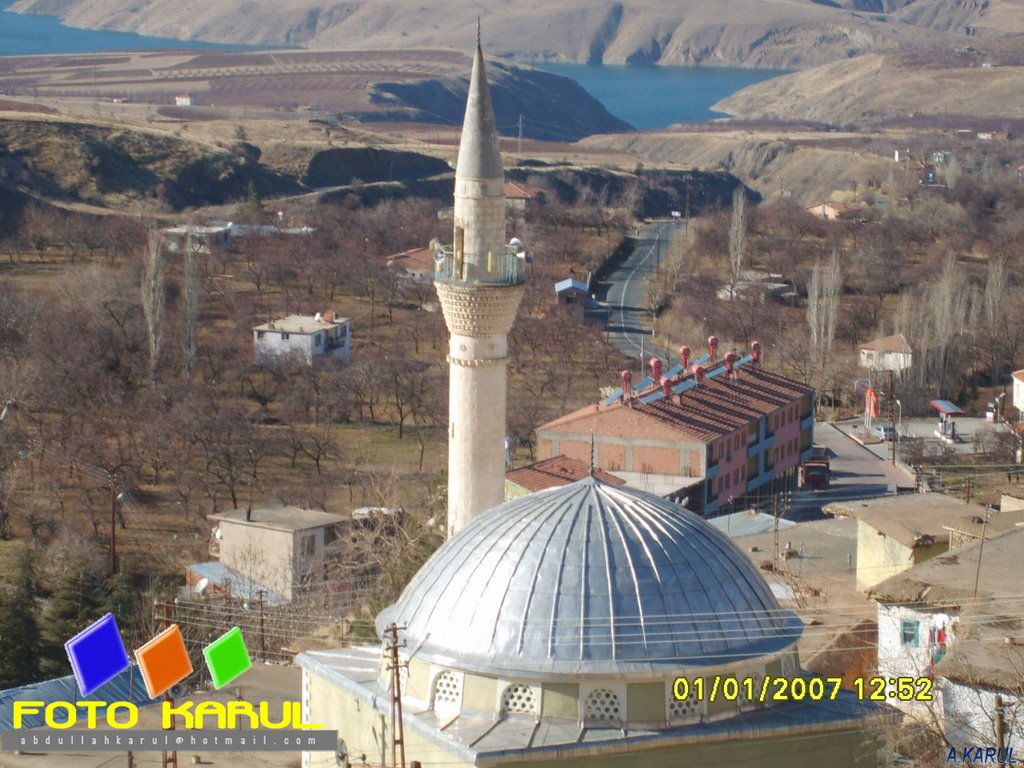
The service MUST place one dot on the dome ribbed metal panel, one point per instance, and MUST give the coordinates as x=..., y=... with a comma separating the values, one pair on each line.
x=588, y=579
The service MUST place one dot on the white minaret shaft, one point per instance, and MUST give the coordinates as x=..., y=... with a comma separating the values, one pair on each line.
x=479, y=293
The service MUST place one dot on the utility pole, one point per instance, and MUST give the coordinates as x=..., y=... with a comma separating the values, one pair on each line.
x=981, y=550
x=113, y=523
x=3, y=415
x=397, y=725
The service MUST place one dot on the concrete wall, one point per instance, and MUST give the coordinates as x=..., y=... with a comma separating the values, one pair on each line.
x=261, y=554
x=880, y=556
x=969, y=712
x=271, y=557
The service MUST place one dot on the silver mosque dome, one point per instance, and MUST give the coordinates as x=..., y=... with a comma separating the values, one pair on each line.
x=588, y=579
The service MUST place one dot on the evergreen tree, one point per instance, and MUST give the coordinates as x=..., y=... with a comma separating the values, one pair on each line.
x=20, y=641
x=76, y=602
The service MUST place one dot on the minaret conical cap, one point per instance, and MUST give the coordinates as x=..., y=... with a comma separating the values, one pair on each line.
x=479, y=153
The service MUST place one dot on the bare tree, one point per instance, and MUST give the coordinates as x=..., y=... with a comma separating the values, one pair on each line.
x=737, y=238
x=191, y=308
x=823, y=294
x=153, y=297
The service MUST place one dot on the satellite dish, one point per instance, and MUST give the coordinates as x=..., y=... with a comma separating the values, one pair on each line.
x=178, y=690
x=202, y=584
x=516, y=243
x=217, y=533
x=439, y=256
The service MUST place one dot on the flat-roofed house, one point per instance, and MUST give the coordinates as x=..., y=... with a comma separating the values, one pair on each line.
x=283, y=550
x=953, y=623
x=308, y=337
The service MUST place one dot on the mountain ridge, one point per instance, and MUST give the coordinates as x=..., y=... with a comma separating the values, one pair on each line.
x=770, y=34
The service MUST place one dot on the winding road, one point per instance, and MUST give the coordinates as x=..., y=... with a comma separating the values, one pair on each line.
x=625, y=290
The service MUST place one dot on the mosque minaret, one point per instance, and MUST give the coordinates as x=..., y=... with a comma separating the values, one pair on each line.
x=479, y=282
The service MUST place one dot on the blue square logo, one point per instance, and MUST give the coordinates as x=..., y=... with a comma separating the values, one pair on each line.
x=97, y=654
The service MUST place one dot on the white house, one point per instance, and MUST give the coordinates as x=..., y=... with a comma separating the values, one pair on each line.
x=305, y=336
x=1018, y=391
x=958, y=624
x=203, y=239
x=892, y=353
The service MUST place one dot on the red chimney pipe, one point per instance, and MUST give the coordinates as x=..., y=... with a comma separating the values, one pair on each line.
x=698, y=374
x=666, y=386
x=684, y=356
x=755, y=350
x=730, y=365
x=713, y=347
x=656, y=368
x=627, y=381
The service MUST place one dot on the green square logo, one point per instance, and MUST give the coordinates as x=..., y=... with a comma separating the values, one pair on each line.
x=227, y=657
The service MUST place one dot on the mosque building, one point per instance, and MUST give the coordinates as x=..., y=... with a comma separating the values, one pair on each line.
x=586, y=625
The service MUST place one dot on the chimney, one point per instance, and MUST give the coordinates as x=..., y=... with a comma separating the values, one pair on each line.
x=656, y=368
x=730, y=366
x=627, y=384
x=666, y=386
x=684, y=356
x=713, y=347
x=755, y=350
x=698, y=374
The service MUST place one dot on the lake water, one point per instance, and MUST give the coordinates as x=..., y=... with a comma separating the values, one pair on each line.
x=22, y=35
x=655, y=97
x=645, y=97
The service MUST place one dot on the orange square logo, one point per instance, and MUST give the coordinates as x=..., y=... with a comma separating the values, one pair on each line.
x=164, y=661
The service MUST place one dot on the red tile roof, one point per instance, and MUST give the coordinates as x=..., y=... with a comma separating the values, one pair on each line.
x=715, y=408
x=556, y=471
x=516, y=190
x=417, y=259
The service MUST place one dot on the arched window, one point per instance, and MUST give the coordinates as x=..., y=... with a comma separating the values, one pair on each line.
x=602, y=706
x=519, y=699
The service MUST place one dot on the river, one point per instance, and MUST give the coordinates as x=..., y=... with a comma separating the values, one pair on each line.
x=655, y=97
x=23, y=35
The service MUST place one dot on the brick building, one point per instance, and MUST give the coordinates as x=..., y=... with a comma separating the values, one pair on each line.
x=723, y=437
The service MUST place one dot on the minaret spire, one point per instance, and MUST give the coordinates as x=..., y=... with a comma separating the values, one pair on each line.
x=480, y=284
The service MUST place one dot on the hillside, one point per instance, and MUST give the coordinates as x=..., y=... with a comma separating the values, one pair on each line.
x=983, y=81
x=768, y=33
x=368, y=86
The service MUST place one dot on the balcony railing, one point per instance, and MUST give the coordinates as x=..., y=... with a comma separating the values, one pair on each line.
x=508, y=268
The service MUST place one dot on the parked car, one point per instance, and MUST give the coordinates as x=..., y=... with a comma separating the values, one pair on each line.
x=885, y=432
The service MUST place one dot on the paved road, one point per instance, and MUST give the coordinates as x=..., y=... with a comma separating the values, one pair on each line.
x=857, y=473
x=625, y=290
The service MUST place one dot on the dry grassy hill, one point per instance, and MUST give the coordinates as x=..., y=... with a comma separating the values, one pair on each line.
x=765, y=33
x=982, y=81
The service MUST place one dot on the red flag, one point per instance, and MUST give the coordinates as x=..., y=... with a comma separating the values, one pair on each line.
x=870, y=403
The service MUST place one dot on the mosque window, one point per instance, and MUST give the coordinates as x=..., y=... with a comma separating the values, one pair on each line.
x=519, y=699
x=602, y=706
x=448, y=691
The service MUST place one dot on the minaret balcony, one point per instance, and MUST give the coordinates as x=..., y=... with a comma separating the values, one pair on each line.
x=508, y=268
